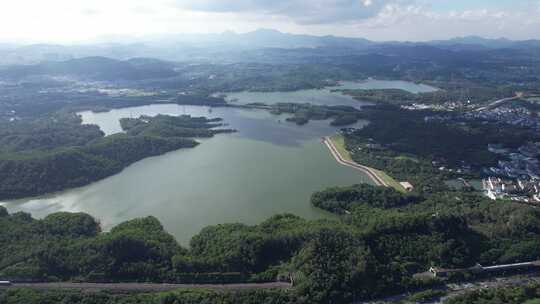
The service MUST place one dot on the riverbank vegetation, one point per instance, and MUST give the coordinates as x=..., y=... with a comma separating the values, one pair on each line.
x=57, y=153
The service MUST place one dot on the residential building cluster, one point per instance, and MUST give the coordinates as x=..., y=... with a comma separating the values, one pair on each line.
x=527, y=191
x=508, y=114
x=513, y=115
x=446, y=106
x=517, y=177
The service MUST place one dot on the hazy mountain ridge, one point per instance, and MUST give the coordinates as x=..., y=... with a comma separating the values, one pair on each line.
x=230, y=46
x=95, y=68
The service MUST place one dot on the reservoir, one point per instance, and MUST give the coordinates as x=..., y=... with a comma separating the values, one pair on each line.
x=268, y=167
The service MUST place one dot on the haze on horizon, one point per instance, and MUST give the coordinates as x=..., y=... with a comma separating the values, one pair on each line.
x=74, y=21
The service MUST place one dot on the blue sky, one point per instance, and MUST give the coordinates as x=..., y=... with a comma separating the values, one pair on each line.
x=413, y=20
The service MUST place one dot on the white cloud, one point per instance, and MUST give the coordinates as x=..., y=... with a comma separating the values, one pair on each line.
x=79, y=20
x=299, y=11
x=419, y=22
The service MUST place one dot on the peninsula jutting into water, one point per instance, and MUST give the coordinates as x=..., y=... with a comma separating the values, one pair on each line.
x=268, y=167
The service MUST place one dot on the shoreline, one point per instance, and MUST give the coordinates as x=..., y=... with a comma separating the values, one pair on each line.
x=370, y=172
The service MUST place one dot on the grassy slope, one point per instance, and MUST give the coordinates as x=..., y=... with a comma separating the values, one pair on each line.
x=339, y=142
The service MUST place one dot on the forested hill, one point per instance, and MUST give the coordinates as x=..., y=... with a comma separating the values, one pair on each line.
x=53, y=154
x=374, y=251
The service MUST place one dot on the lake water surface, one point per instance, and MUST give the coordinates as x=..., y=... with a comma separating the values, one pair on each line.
x=326, y=96
x=269, y=167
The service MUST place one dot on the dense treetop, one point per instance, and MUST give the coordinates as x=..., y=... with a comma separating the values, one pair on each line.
x=46, y=156
x=373, y=251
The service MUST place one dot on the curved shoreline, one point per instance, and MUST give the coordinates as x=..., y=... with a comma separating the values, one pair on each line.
x=341, y=160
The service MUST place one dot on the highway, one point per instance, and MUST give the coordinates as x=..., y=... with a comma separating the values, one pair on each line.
x=497, y=103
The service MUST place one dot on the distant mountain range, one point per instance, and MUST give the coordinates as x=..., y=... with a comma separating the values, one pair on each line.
x=230, y=46
x=94, y=68
x=475, y=41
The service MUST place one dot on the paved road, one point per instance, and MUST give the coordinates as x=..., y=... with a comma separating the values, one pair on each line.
x=367, y=170
x=145, y=287
x=456, y=289
x=499, y=102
